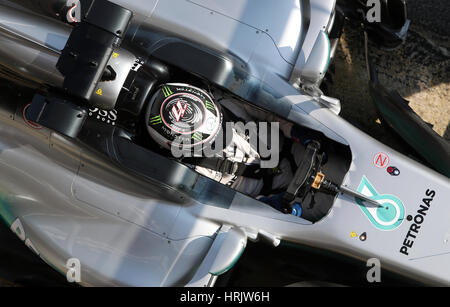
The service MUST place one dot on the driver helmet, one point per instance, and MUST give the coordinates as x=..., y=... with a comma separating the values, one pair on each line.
x=183, y=114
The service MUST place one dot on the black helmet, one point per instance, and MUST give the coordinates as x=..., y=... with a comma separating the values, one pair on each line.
x=184, y=114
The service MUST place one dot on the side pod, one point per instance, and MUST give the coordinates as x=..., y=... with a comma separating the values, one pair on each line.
x=225, y=251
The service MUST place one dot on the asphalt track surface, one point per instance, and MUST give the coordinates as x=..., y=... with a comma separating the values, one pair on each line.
x=434, y=15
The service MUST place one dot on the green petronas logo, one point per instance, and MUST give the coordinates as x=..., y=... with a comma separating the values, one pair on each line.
x=167, y=91
x=389, y=215
x=155, y=120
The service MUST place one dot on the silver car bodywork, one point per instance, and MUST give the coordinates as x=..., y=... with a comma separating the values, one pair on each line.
x=169, y=225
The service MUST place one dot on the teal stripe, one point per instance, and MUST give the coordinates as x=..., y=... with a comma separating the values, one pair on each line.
x=231, y=264
x=5, y=215
x=329, y=53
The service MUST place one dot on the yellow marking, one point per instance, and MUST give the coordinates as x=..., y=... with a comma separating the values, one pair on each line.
x=318, y=180
x=353, y=234
x=99, y=92
x=115, y=55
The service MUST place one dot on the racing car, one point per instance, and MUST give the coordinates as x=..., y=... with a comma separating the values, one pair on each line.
x=94, y=90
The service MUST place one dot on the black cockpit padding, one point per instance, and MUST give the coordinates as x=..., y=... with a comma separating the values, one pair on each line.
x=106, y=15
x=113, y=142
x=57, y=114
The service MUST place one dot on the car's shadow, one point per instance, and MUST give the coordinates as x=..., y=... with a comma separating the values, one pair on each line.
x=418, y=70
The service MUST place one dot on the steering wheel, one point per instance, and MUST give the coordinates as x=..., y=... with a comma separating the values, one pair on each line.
x=304, y=176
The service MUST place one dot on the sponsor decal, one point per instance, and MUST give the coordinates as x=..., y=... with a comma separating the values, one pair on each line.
x=389, y=215
x=108, y=117
x=418, y=220
x=28, y=122
x=381, y=160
